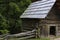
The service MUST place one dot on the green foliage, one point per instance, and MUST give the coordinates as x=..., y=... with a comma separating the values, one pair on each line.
x=10, y=12
x=3, y=23
x=4, y=31
x=14, y=6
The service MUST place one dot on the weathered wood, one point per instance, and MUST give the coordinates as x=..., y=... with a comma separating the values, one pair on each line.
x=52, y=19
x=28, y=24
x=23, y=35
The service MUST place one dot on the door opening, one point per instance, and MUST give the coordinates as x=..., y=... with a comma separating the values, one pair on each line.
x=53, y=30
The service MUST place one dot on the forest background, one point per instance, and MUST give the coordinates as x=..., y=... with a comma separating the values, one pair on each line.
x=10, y=11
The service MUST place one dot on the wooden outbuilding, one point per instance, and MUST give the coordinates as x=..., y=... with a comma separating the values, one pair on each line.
x=43, y=15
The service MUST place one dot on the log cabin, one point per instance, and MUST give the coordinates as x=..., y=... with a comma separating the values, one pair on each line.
x=43, y=15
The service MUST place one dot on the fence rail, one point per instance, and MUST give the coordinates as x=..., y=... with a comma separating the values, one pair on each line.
x=23, y=35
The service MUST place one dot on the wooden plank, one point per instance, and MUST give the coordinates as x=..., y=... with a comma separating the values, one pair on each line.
x=21, y=34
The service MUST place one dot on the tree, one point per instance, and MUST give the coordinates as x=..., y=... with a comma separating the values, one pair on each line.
x=10, y=11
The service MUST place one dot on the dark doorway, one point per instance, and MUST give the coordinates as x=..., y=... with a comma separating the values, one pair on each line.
x=53, y=30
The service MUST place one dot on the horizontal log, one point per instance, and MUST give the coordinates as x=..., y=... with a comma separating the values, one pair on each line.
x=22, y=34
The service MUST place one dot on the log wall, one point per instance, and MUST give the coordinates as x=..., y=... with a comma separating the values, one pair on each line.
x=46, y=24
x=29, y=24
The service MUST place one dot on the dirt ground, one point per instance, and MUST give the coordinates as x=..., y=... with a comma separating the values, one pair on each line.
x=57, y=39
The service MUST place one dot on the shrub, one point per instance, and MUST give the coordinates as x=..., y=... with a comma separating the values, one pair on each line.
x=4, y=31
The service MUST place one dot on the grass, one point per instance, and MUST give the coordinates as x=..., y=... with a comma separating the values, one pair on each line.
x=31, y=39
x=40, y=39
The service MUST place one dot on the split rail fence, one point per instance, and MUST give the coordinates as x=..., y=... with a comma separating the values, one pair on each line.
x=23, y=35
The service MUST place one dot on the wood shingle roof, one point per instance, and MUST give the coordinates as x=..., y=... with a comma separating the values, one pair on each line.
x=38, y=9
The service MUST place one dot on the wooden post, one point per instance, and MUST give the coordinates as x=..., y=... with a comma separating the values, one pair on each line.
x=37, y=31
